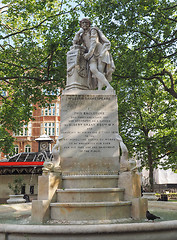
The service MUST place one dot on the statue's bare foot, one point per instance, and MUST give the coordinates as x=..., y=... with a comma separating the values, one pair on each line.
x=100, y=86
x=109, y=87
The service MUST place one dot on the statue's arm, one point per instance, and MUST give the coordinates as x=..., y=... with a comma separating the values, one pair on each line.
x=77, y=38
x=94, y=36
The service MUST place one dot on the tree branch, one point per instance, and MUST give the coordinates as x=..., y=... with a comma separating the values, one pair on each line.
x=157, y=76
x=26, y=77
x=1, y=96
x=15, y=65
x=23, y=77
x=149, y=36
x=174, y=6
x=7, y=44
x=5, y=6
x=38, y=25
x=7, y=26
x=12, y=64
x=157, y=45
x=171, y=55
x=160, y=157
x=171, y=77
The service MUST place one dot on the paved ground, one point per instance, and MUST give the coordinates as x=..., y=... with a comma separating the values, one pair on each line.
x=15, y=213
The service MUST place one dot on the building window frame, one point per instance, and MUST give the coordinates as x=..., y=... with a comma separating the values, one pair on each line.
x=26, y=130
x=27, y=148
x=52, y=109
x=49, y=128
x=16, y=149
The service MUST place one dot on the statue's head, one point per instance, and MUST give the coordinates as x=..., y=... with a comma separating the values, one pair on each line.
x=85, y=20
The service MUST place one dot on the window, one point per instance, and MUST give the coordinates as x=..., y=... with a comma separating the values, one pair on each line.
x=49, y=128
x=25, y=130
x=23, y=189
x=50, y=110
x=16, y=149
x=29, y=128
x=31, y=189
x=27, y=148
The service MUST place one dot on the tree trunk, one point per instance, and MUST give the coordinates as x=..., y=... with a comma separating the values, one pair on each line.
x=151, y=175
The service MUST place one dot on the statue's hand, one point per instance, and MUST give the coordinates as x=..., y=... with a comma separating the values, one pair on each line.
x=87, y=56
x=81, y=31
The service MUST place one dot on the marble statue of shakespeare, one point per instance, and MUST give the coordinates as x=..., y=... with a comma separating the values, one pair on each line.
x=100, y=62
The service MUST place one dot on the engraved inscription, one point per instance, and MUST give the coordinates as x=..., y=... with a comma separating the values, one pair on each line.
x=87, y=130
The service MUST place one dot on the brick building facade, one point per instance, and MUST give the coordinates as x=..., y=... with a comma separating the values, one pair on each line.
x=47, y=120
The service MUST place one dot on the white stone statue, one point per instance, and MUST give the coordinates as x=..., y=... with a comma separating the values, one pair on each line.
x=125, y=163
x=100, y=62
x=56, y=153
x=54, y=166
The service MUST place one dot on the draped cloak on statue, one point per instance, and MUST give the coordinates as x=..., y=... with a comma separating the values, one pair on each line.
x=101, y=54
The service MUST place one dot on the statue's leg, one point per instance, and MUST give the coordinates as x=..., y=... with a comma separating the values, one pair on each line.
x=101, y=68
x=100, y=85
x=102, y=81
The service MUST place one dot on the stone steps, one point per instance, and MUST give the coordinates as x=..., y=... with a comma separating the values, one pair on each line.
x=90, y=181
x=90, y=198
x=90, y=211
x=90, y=195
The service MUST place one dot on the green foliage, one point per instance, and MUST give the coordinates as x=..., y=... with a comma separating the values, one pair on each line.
x=17, y=185
x=148, y=121
x=6, y=141
x=143, y=35
x=34, y=38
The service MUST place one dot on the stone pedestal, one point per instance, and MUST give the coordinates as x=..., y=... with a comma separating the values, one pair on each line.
x=131, y=182
x=16, y=199
x=89, y=124
x=92, y=189
x=139, y=208
x=47, y=186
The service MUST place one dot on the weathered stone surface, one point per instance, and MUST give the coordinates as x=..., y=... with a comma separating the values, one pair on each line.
x=89, y=124
x=47, y=186
x=16, y=199
x=40, y=211
x=129, y=231
x=90, y=195
x=90, y=181
x=77, y=72
x=90, y=211
x=131, y=181
x=139, y=208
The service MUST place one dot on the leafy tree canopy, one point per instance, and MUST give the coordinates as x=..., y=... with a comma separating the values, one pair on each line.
x=34, y=38
x=143, y=34
x=148, y=124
